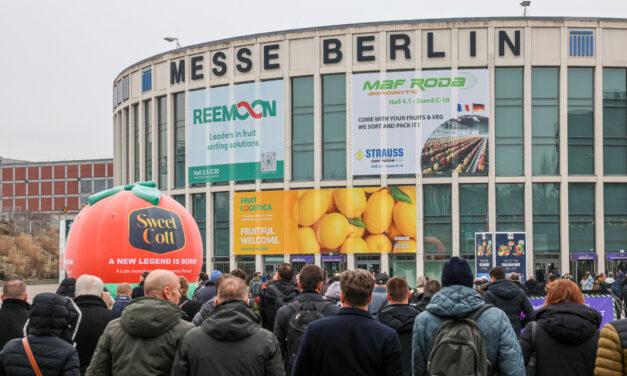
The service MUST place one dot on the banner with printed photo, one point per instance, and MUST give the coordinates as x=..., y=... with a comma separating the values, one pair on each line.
x=433, y=122
x=236, y=132
x=511, y=248
x=484, y=251
x=336, y=220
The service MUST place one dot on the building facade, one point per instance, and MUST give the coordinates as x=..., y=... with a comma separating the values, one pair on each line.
x=554, y=161
x=52, y=187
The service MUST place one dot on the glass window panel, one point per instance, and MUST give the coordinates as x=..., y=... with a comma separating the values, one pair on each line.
x=546, y=217
x=615, y=205
x=509, y=121
x=129, y=137
x=614, y=121
x=199, y=212
x=302, y=128
x=437, y=226
x=334, y=126
x=473, y=216
x=580, y=121
x=221, y=224
x=148, y=143
x=581, y=232
x=545, y=121
x=162, y=120
x=100, y=185
x=180, y=199
x=137, y=141
x=179, y=140
x=510, y=207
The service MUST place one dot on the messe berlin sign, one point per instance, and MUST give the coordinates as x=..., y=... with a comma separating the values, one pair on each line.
x=428, y=121
x=236, y=132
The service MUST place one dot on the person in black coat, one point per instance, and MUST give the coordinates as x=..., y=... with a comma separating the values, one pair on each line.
x=281, y=289
x=350, y=342
x=96, y=316
x=189, y=307
x=14, y=311
x=51, y=328
x=566, y=335
x=138, y=291
x=509, y=297
x=207, y=291
x=67, y=287
x=400, y=315
x=531, y=284
x=431, y=288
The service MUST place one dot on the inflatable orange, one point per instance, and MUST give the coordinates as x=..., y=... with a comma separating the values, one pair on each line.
x=127, y=230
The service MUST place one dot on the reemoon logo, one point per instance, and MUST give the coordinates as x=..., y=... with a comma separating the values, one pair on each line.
x=257, y=109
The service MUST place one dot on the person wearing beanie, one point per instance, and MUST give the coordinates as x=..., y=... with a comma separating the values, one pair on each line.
x=208, y=290
x=458, y=298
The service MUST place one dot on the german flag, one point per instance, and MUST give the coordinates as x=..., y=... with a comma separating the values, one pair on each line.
x=478, y=107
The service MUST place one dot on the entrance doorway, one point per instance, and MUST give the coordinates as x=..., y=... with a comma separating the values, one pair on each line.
x=299, y=262
x=543, y=268
x=332, y=264
x=581, y=263
x=371, y=263
x=271, y=263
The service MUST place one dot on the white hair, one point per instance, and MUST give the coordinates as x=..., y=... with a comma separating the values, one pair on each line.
x=89, y=285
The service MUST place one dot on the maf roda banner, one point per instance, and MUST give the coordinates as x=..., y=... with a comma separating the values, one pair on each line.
x=511, y=248
x=427, y=121
x=236, y=132
x=344, y=220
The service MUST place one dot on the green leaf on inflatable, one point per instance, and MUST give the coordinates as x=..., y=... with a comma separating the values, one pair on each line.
x=145, y=190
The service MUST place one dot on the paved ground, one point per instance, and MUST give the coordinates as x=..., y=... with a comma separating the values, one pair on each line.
x=33, y=290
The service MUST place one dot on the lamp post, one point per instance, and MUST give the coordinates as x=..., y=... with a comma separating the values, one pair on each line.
x=172, y=39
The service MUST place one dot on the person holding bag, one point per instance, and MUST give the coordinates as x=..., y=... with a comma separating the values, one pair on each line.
x=48, y=349
x=566, y=334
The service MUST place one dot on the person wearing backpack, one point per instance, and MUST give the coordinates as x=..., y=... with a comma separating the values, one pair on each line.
x=566, y=333
x=276, y=295
x=295, y=316
x=351, y=342
x=400, y=315
x=459, y=311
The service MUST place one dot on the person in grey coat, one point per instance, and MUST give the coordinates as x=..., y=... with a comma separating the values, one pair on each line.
x=458, y=298
x=379, y=294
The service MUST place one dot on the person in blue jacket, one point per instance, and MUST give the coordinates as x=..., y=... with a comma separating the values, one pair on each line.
x=458, y=298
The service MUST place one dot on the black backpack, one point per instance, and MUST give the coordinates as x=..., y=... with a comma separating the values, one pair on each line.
x=304, y=313
x=459, y=347
x=271, y=299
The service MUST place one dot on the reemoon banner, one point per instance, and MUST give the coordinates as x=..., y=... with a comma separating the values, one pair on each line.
x=427, y=121
x=236, y=132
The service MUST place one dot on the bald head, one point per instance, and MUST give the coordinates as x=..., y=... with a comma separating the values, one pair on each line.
x=162, y=284
x=14, y=289
x=232, y=289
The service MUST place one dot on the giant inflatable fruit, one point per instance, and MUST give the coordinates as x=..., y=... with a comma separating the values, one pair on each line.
x=127, y=230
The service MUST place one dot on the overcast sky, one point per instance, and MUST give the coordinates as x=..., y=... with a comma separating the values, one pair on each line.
x=58, y=58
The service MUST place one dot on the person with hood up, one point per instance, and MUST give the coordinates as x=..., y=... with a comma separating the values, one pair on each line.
x=566, y=335
x=208, y=290
x=231, y=334
x=50, y=336
x=67, y=287
x=458, y=298
x=509, y=297
x=144, y=340
x=400, y=315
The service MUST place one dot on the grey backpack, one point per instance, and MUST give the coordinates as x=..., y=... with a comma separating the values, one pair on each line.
x=459, y=348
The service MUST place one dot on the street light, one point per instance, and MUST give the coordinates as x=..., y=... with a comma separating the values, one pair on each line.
x=172, y=39
x=525, y=4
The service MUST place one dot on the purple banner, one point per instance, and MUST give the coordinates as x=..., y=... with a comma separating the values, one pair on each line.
x=511, y=248
x=484, y=249
x=583, y=256
x=303, y=258
x=603, y=303
x=333, y=258
x=616, y=256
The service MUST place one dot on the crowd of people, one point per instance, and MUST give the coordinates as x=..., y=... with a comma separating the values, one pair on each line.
x=308, y=323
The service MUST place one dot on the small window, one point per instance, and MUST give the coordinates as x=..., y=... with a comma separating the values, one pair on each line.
x=147, y=79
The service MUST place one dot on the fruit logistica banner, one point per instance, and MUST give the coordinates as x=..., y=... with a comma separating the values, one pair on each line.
x=344, y=220
x=427, y=121
x=236, y=132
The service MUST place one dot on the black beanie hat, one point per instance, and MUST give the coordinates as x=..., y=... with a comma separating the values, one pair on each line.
x=457, y=272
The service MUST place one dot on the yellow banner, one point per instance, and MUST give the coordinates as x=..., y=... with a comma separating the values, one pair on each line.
x=345, y=220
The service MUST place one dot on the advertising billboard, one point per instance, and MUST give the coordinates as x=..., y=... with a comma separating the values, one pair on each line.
x=430, y=122
x=236, y=132
x=603, y=303
x=510, y=250
x=344, y=220
x=484, y=251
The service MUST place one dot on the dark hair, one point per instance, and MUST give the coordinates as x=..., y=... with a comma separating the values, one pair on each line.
x=497, y=272
x=310, y=277
x=145, y=274
x=357, y=287
x=203, y=276
x=397, y=289
x=286, y=271
x=333, y=279
x=184, y=285
x=552, y=277
x=514, y=277
x=239, y=273
x=432, y=286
